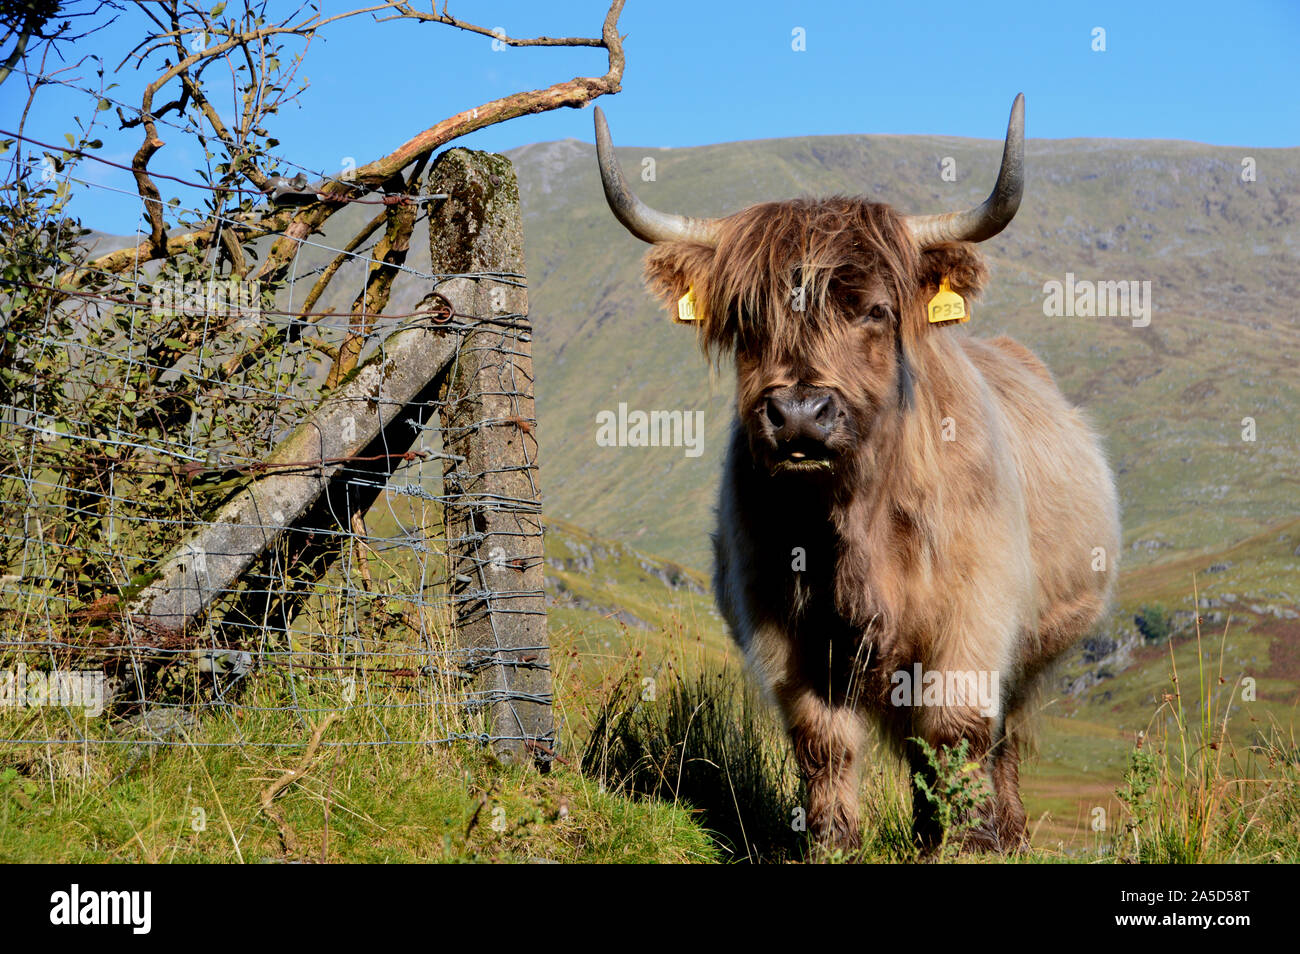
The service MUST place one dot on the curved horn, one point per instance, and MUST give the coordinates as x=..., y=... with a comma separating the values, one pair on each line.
x=990, y=218
x=647, y=224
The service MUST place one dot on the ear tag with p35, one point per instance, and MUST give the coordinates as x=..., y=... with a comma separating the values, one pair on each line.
x=947, y=307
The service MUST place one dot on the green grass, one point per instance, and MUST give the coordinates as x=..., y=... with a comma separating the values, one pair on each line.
x=1195, y=792
x=193, y=803
x=612, y=605
x=707, y=721
x=696, y=770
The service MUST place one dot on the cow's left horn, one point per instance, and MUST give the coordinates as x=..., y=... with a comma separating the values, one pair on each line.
x=647, y=224
x=990, y=218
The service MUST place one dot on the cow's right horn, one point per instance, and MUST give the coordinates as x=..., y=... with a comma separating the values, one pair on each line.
x=647, y=224
x=992, y=216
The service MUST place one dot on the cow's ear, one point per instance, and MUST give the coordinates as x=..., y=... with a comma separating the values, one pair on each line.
x=959, y=262
x=673, y=268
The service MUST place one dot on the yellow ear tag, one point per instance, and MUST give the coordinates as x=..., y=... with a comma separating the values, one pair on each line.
x=947, y=307
x=686, y=307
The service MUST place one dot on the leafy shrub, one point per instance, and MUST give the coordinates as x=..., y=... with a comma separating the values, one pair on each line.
x=1154, y=622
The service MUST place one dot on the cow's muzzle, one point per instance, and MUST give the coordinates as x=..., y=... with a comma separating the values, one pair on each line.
x=800, y=424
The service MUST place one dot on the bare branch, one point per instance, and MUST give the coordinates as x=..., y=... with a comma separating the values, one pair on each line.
x=298, y=224
x=574, y=93
x=19, y=48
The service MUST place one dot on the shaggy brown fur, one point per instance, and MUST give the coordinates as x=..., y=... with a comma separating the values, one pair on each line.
x=956, y=523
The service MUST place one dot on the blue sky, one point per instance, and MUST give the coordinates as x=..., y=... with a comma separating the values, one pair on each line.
x=700, y=72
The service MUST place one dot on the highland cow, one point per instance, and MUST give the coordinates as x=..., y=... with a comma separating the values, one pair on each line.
x=898, y=497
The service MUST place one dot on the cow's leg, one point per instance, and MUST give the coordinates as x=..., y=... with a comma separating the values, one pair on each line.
x=828, y=745
x=1009, y=809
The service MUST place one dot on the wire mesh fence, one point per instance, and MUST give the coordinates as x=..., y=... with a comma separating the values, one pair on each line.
x=236, y=499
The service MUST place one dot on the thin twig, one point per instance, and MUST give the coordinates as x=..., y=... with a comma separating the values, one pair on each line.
x=287, y=837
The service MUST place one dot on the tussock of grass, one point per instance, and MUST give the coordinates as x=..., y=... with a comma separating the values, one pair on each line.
x=709, y=743
x=1193, y=794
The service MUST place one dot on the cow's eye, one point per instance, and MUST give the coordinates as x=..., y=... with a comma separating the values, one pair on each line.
x=878, y=313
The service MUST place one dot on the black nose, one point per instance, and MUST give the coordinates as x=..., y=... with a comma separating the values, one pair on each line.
x=802, y=414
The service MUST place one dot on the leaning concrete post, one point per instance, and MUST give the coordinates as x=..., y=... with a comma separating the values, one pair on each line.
x=210, y=562
x=493, y=511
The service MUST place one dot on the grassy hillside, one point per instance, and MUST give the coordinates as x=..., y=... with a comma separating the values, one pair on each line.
x=1220, y=254
x=1222, y=257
